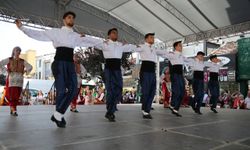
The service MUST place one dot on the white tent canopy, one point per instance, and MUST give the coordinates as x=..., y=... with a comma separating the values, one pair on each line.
x=174, y=19
x=192, y=20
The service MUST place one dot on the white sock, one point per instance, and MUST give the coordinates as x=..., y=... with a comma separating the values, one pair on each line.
x=58, y=116
x=175, y=111
x=145, y=113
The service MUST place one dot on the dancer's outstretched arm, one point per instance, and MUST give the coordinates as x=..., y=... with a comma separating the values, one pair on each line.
x=189, y=61
x=88, y=41
x=210, y=64
x=160, y=52
x=129, y=48
x=168, y=55
x=46, y=35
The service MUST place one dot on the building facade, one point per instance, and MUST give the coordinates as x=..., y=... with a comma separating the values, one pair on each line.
x=30, y=57
x=43, y=65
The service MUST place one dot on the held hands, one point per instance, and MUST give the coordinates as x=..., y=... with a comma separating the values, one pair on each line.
x=219, y=60
x=82, y=35
x=106, y=41
x=124, y=43
x=18, y=23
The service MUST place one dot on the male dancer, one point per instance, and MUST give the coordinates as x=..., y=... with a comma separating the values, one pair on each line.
x=148, y=55
x=197, y=64
x=64, y=40
x=112, y=51
x=213, y=83
x=177, y=61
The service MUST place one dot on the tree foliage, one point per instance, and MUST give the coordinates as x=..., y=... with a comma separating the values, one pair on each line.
x=2, y=79
x=93, y=59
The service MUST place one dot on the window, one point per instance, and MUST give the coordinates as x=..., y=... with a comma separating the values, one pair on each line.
x=39, y=75
x=40, y=63
x=47, y=68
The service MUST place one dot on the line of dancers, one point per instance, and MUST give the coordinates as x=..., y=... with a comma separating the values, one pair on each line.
x=67, y=70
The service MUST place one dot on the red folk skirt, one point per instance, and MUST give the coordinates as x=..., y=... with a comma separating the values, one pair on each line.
x=13, y=95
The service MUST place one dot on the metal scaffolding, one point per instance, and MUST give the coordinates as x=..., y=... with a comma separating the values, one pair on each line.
x=224, y=31
x=177, y=14
x=10, y=10
x=106, y=17
x=8, y=14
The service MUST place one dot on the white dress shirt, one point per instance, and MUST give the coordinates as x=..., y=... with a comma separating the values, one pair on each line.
x=61, y=37
x=176, y=58
x=196, y=64
x=149, y=53
x=213, y=67
x=112, y=49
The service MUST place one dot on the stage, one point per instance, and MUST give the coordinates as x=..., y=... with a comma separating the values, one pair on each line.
x=89, y=130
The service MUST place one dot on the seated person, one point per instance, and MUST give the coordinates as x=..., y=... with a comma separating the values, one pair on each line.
x=100, y=97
